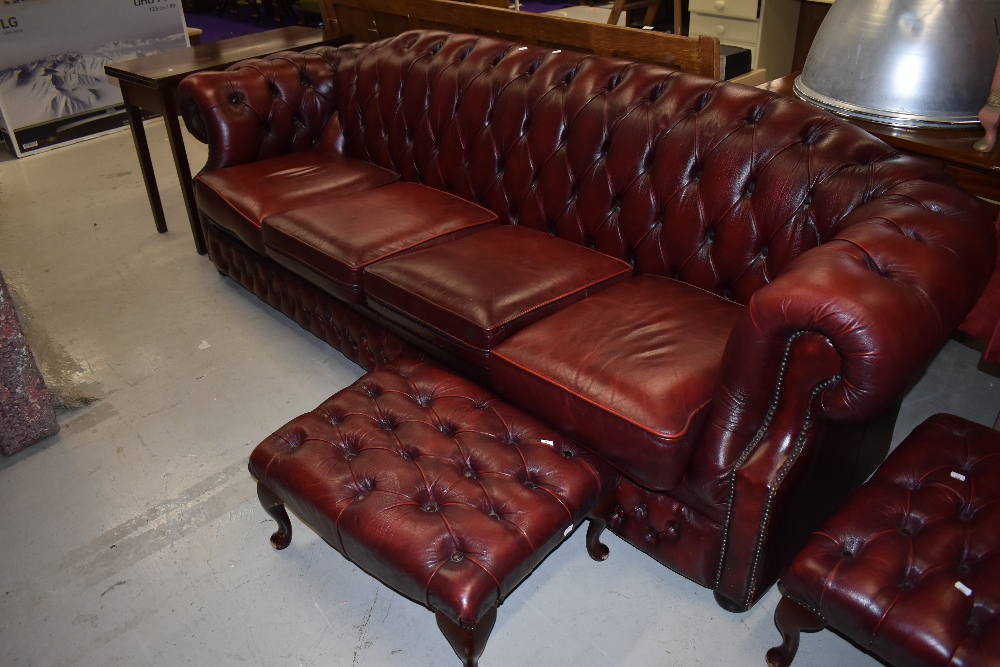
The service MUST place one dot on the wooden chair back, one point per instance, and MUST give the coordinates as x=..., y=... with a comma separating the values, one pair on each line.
x=370, y=20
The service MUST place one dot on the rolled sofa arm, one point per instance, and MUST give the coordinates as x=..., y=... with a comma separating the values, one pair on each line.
x=886, y=292
x=263, y=107
x=830, y=343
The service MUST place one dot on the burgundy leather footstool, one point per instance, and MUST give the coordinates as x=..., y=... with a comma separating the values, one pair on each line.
x=909, y=567
x=433, y=486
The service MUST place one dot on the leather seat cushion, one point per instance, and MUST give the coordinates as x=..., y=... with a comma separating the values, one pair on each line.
x=330, y=243
x=239, y=198
x=629, y=372
x=471, y=294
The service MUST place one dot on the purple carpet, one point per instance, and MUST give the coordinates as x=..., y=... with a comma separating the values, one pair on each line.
x=542, y=6
x=213, y=28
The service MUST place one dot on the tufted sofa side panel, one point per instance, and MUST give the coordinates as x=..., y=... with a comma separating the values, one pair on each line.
x=356, y=337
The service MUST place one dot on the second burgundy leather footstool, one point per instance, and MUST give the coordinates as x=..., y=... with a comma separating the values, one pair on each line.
x=909, y=567
x=435, y=487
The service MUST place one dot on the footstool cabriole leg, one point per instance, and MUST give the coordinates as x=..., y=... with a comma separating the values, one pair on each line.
x=599, y=517
x=791, y=618
x=468, y=643
x=274, y=506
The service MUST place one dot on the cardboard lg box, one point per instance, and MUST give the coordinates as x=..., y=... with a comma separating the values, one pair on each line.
x=53, y=89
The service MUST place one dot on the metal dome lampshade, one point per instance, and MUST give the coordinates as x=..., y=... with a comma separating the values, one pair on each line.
x=910, y=63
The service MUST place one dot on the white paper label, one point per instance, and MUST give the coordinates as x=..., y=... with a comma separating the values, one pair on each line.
x=568, y=531
x=547, y=442
x=962, y=587
x=959, y=476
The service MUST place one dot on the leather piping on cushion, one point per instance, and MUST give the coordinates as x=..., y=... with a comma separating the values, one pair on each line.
x=331, y=243
x=239, y=198
x=440, y=290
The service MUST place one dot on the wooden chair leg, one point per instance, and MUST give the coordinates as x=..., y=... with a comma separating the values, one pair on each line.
x=274, y=506
x=791, y=618
x=468, y=643
x=650, y=16
x=616, y=12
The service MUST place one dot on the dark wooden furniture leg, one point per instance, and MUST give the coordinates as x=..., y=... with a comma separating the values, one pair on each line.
x=273, y=505
x=145, y=163
x=792, y=619
x=183, y=168
x=467, y=643
x=598, y=522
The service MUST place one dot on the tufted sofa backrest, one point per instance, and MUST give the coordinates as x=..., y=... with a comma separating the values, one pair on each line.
x=716, y=184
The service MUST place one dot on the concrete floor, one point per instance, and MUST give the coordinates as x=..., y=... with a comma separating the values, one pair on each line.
x=134, y=536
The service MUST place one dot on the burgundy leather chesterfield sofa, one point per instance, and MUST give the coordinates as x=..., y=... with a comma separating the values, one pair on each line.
x=720, y=292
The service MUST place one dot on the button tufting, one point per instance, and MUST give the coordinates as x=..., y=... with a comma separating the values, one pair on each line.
x=457, y=557
x=530, y=484
x=430, y=507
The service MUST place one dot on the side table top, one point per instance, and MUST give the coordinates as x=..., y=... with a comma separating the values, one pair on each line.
x=167, y=68
x=951, y=145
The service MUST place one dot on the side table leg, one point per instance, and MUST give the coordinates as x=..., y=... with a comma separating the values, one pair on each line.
x=145, y=162
x=183, y=169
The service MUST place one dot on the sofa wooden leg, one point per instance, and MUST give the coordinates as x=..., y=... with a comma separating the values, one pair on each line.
x=468, y=643
x=274, y=506
x=791, y=618
x=597, y=549
x=598, y=522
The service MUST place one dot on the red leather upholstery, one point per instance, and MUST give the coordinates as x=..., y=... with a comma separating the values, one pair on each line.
x=908, y=567
x=330, y=243
x=432, y=485
x=629, y=372
x=851, y=263
x=471, y=294
x=239, y=198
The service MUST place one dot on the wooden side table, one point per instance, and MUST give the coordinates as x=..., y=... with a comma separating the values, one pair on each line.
x=951, y=149
x=150, y=83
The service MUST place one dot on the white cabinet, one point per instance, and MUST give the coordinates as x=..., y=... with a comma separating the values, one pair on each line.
x=766, y=27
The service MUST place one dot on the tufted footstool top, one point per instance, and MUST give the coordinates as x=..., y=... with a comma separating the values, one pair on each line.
x=432, y=485
x=910, y=567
